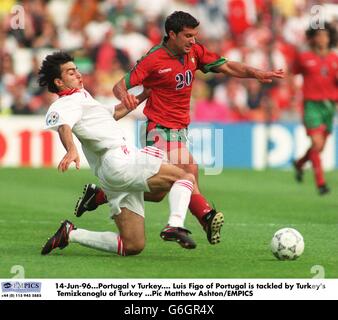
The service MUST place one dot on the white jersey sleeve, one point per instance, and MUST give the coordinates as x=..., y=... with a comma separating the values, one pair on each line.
x=63, y=113
x=110, y=108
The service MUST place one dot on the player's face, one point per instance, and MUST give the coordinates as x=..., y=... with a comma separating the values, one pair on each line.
x=185, y=39
x=321, y=39
x=70, y=76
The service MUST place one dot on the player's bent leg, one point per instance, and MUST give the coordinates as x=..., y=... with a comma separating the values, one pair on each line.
x=180, y=185
x=210, y=219
x=154, y=196
x=298, y=166
x=166, y=177
x=130, y=242
x=132, y=233
x=318, y=140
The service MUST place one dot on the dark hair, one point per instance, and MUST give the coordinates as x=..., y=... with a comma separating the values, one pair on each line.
x=311, y=32
x=51, y=69
x=178, y=20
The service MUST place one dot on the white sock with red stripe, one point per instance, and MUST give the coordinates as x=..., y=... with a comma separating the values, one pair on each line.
x=179, y=198
x=106, y=241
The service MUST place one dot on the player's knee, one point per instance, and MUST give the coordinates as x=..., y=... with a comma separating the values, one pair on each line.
x=318, y=147
x=154, y=197
x=132, y=248
x=190, y=177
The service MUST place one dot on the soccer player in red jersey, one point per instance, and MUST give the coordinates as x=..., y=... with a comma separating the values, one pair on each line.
x=169, y=70
x=319, y=67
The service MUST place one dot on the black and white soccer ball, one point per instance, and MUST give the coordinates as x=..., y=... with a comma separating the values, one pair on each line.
x=287, y=244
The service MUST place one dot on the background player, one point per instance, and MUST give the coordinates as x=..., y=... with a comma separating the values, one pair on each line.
x=319, y=67
x=168, y=70
x=123, y=171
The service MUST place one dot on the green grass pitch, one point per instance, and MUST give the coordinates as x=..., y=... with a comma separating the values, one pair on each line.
x=255, y=205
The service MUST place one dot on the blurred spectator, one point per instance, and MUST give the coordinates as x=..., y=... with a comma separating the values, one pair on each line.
x=54, y=8
x=151, y=9
x=119, y=13
x=108, y=36
x=8, y=79
x=48, y=37
x=209, y=110
x=21, y=98
x=241, y=14
x=234, y=95
x=295, y=26
x=40, y=104
x=84, y=10
x=255, y=94
x=153, y=32
x=107, y=54
x=211, y=17
x=71, y=38
x=287, y=99
x=97, y=29
x=261, y=107
x=32, y=79
x=130, y=35
x=180, y=5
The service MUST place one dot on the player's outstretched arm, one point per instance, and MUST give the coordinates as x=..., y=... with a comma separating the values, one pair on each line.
x=241, y=70
x=66, y=137
x=121, y=92
x=121, y=110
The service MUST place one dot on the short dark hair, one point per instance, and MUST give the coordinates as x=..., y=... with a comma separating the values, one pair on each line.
x=51, y=69
x=178, y=20
x=311, y=32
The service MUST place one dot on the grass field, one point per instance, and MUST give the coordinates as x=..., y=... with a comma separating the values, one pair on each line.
x=255, y=205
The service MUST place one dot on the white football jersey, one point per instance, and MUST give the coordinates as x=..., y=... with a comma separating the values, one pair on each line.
x=91, y=122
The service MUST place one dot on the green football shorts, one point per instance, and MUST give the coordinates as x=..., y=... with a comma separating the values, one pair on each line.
x=319, y=113
x=155, y=131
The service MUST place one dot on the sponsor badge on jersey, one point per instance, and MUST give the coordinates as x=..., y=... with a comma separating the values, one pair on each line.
x=52, y=118
x=324, y=71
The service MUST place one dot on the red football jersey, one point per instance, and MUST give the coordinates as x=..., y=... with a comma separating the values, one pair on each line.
x=320, y=75
x=170, y=79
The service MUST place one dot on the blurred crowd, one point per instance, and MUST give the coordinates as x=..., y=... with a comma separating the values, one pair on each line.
x=107, y=37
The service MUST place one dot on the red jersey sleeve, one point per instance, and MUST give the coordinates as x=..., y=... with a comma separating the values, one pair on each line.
x=297, y=64
x=141, y=70
x=207, y=60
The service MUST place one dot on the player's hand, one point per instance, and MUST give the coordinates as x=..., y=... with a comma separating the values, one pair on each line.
x=130, y=101
x=267, y=76
x=71, y=156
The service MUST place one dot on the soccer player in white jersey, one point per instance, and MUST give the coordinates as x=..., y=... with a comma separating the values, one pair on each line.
x=124, y=171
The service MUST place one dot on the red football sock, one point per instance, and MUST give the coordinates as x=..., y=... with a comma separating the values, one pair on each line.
x=100, y=197
x=300, y=163
x=317, y=167
x=199, y=207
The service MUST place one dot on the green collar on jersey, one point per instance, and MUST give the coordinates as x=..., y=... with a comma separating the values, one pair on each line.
x=170, y=51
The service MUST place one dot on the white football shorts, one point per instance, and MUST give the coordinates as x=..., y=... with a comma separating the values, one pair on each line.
x=123, y=176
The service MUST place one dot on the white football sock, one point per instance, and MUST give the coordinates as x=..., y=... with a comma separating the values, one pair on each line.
x=179, y=198
x=106, y=241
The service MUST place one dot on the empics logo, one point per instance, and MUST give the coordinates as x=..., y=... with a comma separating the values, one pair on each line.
x=22, y=287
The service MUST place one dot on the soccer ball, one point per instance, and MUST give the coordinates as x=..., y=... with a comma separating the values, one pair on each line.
x=287, y=244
